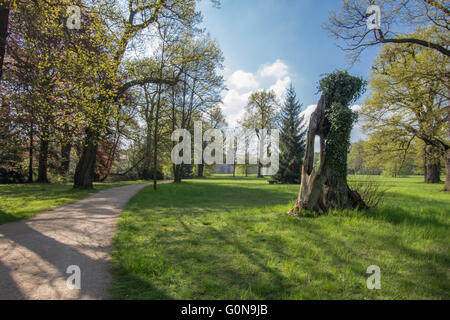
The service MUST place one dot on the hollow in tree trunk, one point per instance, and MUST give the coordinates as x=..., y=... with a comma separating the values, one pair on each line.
x=332, y=121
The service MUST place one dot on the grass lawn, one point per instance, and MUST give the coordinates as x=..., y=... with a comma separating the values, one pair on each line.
x=19, y=201
x=224, y=238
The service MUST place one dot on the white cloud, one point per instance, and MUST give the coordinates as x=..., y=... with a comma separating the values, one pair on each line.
x=242, y=83
x=308, y=112
x=281, y=86
x=278, y=70
x=356, y=108
x=240, y=80
x=357, y=131
x=234, y=104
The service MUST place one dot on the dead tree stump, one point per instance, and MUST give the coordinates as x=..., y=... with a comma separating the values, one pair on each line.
x=332, y=121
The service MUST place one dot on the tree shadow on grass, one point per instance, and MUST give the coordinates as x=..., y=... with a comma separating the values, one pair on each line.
x=217, y=261
x=416, y=271
x=201, y=197
x=6, y=217
x=397, y=215
x=182, y=249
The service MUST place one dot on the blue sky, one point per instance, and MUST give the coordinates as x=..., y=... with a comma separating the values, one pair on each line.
x=270, y=43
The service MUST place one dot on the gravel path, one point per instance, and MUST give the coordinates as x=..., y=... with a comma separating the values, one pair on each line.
x=35, y=253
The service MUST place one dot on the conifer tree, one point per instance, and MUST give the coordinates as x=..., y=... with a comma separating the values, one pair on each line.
x=292, y=140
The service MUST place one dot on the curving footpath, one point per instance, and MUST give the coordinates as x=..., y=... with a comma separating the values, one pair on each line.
x=35, y=254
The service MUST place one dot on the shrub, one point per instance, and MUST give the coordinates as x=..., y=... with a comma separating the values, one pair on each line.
x=8, y=176
x=372, y=192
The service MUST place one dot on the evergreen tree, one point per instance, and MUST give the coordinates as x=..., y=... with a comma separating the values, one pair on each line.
x=292, y=140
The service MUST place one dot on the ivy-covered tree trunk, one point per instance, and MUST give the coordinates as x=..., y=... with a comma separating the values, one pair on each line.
x=332, y=121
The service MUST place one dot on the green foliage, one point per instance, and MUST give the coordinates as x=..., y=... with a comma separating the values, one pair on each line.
x=406, y=102
x=292, y=140
x=340, y=89
x=260, y=110
x=357, y=158
x=338, y=140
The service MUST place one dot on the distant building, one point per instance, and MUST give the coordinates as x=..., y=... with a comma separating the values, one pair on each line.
x=224, y=169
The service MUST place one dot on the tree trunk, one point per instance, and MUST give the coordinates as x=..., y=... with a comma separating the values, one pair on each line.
x=447, y=169
x=447, y=155
x=327, y=188
x=84, y=173
x=4, y=21
x=146, y=170
x=432, y=165
x=64, y=165
x=178, y=173
x=155, y=139
x=433, y=173
x=43, y=161
x=146, y=173
x=200, y=170
x=30, y=156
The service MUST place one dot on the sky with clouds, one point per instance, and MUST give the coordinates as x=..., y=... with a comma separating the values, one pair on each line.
x=269, y=44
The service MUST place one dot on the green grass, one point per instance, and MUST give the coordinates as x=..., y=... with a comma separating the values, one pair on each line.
x=19, y=201
x=231, y=239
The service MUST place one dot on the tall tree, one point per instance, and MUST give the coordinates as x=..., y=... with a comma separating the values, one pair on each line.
x=261, y=114
x=409, y=94
x=117, y=33
x=213, y=118
x=292, y=140
x=36, y=56
x=199, y=87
